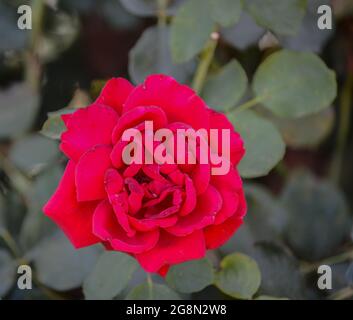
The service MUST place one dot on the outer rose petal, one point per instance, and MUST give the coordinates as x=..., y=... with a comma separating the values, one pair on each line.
x=90, y=173
x=217, y=235
x=178, y=101
x=106, y=227
x=220, y=121
x=74, y=218
x=173, y=250
x=115, y=93
x=88, y=127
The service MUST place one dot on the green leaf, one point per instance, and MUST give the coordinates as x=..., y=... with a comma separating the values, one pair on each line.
x=54, y=126
x=19, y=105
x=263, y=143
x=151, y=55
x=7, y=272
x=280, y=272
x=317, y=209
x=146, y=8
x=152, y=292
x=32, y=153
x=223, y=90
x=282, y=17
x=294, y=84
x=110, y=276
x=308, y=131
x=226, y=12
x=59, y=265
x=239, y=276
x=191, y=276
x=190, y=30
x=36, y=225
x=310, y=37
x=244, y=34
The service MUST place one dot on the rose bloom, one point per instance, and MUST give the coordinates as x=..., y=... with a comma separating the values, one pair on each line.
x=160, y=214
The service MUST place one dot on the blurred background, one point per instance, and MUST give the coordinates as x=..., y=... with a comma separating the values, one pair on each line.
x=299, y=214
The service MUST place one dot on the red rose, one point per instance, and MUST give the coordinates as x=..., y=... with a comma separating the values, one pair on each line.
x=161, y=214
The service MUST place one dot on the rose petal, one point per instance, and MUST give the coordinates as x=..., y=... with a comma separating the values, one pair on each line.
x=139, y=115
x=74, y=218
x=208, y=204
x=217, y=235
x=172, y=250
x=86, y=128
x=178, y=101
x=190, y=197
x=115, y=93
x=106, y=227
x=90, y=173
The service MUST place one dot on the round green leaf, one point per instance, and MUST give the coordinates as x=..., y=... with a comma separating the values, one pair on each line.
x=151, y=55
x=190, y=30
x=263, y=143
x=316, y=209
x=7, y=272
x=239, y=276
x=191, y=276
x=282, y=17
x=308, y=131
x=59, y=265
x=19, y=105
x=264, y=297
x=152, y=292
x=226, y=12
x=294, y=84
x=223, y=90
x=32, y=153
x=110, y=276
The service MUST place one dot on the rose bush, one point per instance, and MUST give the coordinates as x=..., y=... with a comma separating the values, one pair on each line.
x=161, y=214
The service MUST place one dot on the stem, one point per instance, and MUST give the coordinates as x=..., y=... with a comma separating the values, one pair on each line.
x=342, y=294
x=249, y=104
x=206, y=59
x=162, y=12
x=10, y=242
x=345, y=256
x=343, y=129
x=150, y=285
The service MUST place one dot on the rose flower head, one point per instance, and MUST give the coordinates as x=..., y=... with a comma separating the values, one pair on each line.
x=160, y=213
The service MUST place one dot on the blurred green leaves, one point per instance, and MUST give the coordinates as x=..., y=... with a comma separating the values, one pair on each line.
x=261, y=157
x=110, y=276
x=7, y=272
x=294, y=84
x=223, y=90
x=152, y=291
x=239, y=276
x=191, y=276
x=282, y=17
x=226, y=12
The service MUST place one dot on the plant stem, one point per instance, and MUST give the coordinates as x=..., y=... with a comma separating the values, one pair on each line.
x=162, y=12
x=205, y=62
x=345, y=256
x=150, y=286
x=343, y=129
x=249, y=104
x=342, y=294
x=10, y=242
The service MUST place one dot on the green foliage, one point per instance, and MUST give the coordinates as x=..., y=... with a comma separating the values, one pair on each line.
x=59, y=266
x=293, y=84
x=7, y=272
x=153, y=291
x=316, y=209
x=110, y=276
x=260, y=158
x=191, y=276
x=148, y=58
x=239, y=276
x=226, y=12
x=224, y=89
x=190, y=30
x=282, y=17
